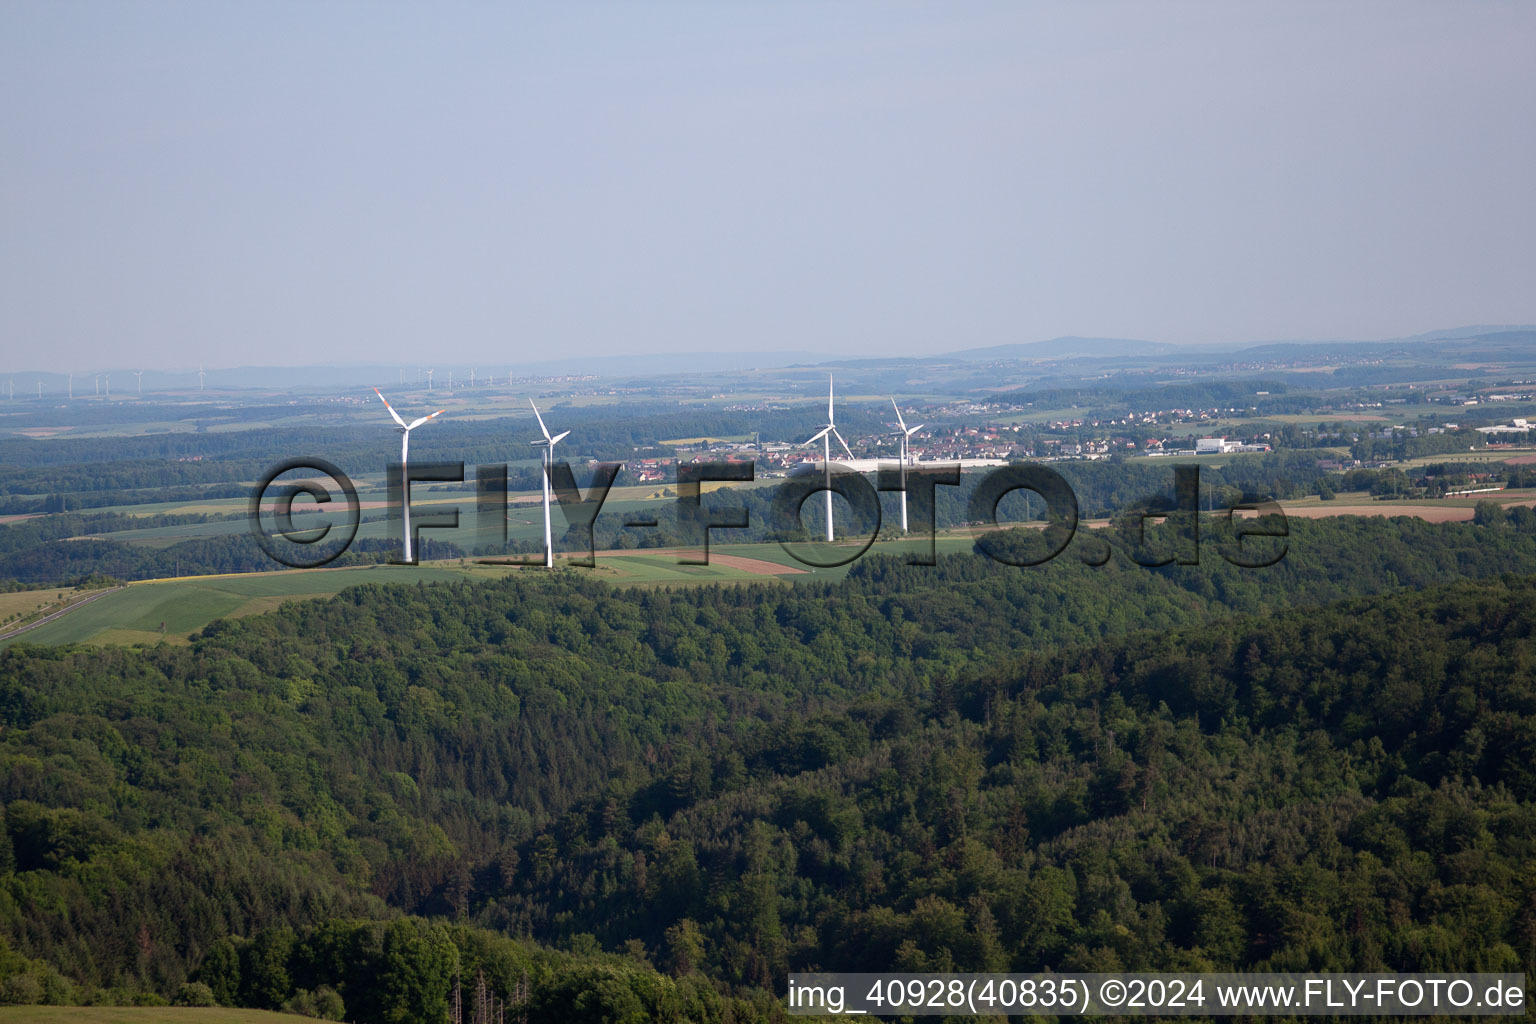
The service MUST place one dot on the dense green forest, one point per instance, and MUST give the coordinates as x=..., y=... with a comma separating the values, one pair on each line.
x=640, y=805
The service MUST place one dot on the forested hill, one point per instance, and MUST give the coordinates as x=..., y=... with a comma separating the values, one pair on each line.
x=966, y=766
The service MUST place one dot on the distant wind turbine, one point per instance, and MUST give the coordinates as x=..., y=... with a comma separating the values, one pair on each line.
x=429, y=379
x=200, y=376
x=903, y=432
x=109, y=385
x=548, y=444
x=825, y=436
x=140, y=374
x=405, y=448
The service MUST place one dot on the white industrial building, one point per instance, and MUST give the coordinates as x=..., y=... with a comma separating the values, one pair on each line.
x=1518, y=426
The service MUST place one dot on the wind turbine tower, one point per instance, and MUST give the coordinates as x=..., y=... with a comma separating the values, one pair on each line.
x=140, y=374
x=825, y=437
x=405, y=449
x=200, y=376
x=903, y=432
x=429, y=379
x=548, y=444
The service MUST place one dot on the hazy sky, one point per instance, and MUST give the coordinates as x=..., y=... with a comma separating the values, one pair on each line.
x=288, y=184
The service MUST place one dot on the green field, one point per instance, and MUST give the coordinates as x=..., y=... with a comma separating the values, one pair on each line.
x=135, y=613
x=1508, y=497
x=1340, y=498
x=140, y=1015
x=1480, y=455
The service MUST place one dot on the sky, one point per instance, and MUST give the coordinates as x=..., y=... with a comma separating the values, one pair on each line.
x=297, y=184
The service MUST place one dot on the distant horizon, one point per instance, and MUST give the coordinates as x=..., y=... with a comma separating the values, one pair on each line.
x=778, y=359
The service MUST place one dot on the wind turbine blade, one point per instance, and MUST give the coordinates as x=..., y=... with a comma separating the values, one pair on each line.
x=841, y=441
x=390, y=408
x=817, y=437
x=542, y=428
x=899, y=420
x=913, y=430
x=417, y=423
x=830, y=418
x=558, y=438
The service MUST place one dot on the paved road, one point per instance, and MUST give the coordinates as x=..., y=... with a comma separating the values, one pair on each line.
x=62, y=611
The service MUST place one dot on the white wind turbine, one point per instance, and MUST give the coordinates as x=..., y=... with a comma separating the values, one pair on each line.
x=429, y=379
x=548, y=444
x=140, y=375
x=903, y=432
x=200, y=376
x=405, y=447
x=825, y=436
